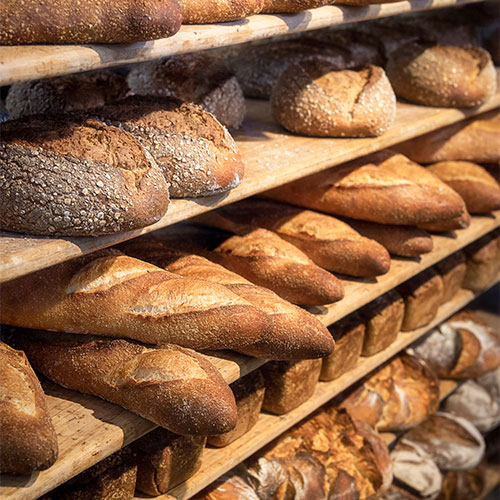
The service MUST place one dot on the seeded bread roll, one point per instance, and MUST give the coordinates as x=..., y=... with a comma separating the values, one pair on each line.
x=272, y=6
x=29, y=441
x=76, y=177
x=65, y=94
x=442, y=75
x=217, y=11
x=88, y=21
x=175, y=388
x=452, y=271
x=483, y=261
x=194, y=151
x=196, y=78
x=312, y=97
x=327, y=241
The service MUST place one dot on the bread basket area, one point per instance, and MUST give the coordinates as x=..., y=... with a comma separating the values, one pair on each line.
x=250, y=250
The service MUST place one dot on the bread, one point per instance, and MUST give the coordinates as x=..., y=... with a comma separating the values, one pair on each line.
x=165, y=459
x=313, y=97
x=175, y=388
x=384, y=187
x=460, y=222
x=348, y=334
x=483, y=258
x=293, y=334
x=29, y=442
x=196, y=78
x=90, y=179
x=328, y=242
x=217, y=11
x=437, y=75
x=475, y=139
x=383, y=318
x=453, y=442
x=194, y=151
x=249, y=395
x=464, y=484
x=423, y=294
x=65, y=94
x=258, y=67
x=267, y=260
x=490, y=381
x=88, y=21
x=364, y=2
x=289, y=384
x=272, y=6
x=452, y=271
x=230, y=486
x=474, y=184
x=118, y=296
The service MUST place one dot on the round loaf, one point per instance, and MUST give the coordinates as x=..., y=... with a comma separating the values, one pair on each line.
x=313, y=98
x=76, y=177
x=465, y=484
x=217, y=11
x=442, y=75
x=195, y=78
x=271, y=6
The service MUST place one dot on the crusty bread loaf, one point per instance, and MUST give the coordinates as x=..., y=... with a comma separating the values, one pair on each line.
x=271, y=6
x=230, y=486
x=483, y=260
x=364, y=2
x=173, y=387
x=475, y=139
x=194, y=151
x=118, y=296
x=265, y=259
x=65, y=94
x=452, y=271
x=76, y=177
x=436, y=75
x=327, y=241
x=165, y=459
x=384, y=187
x=87, y=21
x=313, y=97
x=195, y=78
x=294, y=333
x=29, y=441
x=461, y=222
x=464, y=484
x=217, y=11
x=406, y=241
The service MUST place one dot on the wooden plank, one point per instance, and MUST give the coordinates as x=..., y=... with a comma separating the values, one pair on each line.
x=272, y=157
x=21, y=63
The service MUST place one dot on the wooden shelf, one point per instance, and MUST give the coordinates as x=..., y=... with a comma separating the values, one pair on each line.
x=272, y=157
x=30, y=62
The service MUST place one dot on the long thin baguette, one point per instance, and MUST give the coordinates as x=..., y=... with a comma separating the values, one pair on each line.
x=173, y=387
x=118, y=296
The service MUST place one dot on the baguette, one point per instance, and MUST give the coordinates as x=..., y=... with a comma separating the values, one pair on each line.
x=118, y=296
x=328, y=242
x=175, y=388
x=29, y=441
x=384, y=187
x=460, y=222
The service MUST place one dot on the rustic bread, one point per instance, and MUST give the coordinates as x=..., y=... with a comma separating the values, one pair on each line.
x=452, y=271
x=87, y=21
x=289, y=384
x=165, y=459
x=175, y=388
x=475, y=139
x=217, y=11
x=490, y=381
x=328, y=242
x=293, y=334
x=230, y=486
x=422, y=294
x=65, y=94
x=464, y=484
x=483, y=259
x=90, y=179
x=196, y=78
x=249, y=395
x=267, y=260
x=313, y=97
x=194, y=151
x=118, y=296
x=29, y=441
x=473, y=183
x=436, y=75
x=384, y=187
x=383, y=318
x=461, y=222
x=276, y=6
x=348, y=334
x=364, y=2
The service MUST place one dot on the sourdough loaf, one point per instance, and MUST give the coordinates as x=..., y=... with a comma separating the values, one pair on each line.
x=76, y=177
x=452, y=271
x=217, y=11
x=483, y=260
x=464, y=484
x=384, y=187
x=173, y=387
x=195, y=78
x=313, y=97
x=29, y=442
x=87, y=21
x=327, y=241
x=230, y=486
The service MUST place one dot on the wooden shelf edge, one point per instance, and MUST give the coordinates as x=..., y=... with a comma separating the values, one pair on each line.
x=21, y=63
